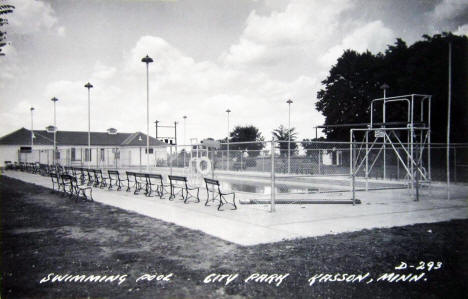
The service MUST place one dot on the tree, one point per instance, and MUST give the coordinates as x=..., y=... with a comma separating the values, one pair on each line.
x=420, y=68
x=311, y=147
x=282, y=134
x=352, y=83
x=4, y=10
x=246, y=134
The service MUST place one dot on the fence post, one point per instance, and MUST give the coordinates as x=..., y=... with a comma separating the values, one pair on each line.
x=319, y=158
x=241, y=154
x=273, y=191
x=351, y=167
x=398, y=165
x=170, y=159
x=213, y=163
x=417, y=181
x=139, y=168
x=367, y=161
x=455, y=164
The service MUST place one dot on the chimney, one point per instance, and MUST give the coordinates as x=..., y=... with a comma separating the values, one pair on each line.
x=112, y=131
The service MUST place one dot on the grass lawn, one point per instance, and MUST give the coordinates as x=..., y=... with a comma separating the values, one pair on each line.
x=44, y=233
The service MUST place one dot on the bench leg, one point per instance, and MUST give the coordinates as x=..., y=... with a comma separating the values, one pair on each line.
x=128, y=186
x=222, y=201
x=189, y=195
x=171, y=197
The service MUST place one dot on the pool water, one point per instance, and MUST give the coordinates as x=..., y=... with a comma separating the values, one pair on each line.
x=266, y=189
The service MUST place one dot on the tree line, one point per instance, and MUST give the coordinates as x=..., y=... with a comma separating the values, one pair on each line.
x=357, y=78
x=421, y=68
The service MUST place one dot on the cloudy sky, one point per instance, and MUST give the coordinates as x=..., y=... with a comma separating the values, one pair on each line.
x=210, y=55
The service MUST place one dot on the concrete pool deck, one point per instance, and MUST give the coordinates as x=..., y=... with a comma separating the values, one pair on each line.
x=254, y=224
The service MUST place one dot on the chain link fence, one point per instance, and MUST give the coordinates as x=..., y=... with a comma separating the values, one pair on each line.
x=294, y=162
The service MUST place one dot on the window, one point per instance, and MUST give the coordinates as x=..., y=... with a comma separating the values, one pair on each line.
x=25, y=149
x=150, y=151
x=103, y=158
x=75, y=155
x=87, y=155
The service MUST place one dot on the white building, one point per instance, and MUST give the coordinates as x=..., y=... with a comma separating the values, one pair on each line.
x=108, y=149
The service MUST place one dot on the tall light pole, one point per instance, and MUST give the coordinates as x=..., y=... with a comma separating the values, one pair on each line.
x=32, y=128
x=89, y=86
x=449, y=103
x=54, y=99
x=384, y=87
x=185, y=130
x=289, y=135
x=227, y=164
x=147, y=60
x=32, y=133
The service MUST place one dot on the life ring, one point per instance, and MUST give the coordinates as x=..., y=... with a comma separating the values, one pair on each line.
x=207, y=170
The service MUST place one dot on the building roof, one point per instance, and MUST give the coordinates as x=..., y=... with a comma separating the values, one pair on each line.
x=77, y=138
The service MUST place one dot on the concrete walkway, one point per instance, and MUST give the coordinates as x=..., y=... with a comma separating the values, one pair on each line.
x=254, y=224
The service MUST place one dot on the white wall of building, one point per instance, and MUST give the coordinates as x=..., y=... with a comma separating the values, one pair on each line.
x=8, y=153
x=101, y=156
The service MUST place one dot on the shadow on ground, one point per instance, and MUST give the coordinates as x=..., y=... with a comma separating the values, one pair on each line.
x=44, y=233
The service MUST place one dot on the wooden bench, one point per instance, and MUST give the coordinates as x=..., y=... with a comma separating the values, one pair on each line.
x=155, y=182
x=80, y=189
x=114, y=176
x=56, y=185
x=68, y=170
x=8, y=165
x=100, y=179
x=140, y=181
x=66, y=184
x=90, y=176
x=31, y=167
x=58, y=168
x=44, y=169
x=180, y=182
x=80, y=175
x=130, y=180
x=35, y=167
x=213, y=187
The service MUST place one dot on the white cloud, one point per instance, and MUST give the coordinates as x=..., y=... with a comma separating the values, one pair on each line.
x=102, y=72
x=180, y=85
x=32, y=16
x=462, y=30
x=449, y=9
x=301, y=28
x=373, y=36
x=8, y=64
x=61, y=31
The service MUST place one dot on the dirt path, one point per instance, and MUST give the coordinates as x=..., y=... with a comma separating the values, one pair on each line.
x=43, y=233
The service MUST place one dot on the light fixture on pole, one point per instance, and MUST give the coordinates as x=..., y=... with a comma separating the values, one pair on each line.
x=289, y=134
x=54, y=99
x=147, y=60
x=89, y=86
x=384, y=87
x=227, y=164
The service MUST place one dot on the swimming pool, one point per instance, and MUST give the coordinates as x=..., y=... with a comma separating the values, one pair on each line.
x=263, y=188
x=318, y=186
